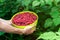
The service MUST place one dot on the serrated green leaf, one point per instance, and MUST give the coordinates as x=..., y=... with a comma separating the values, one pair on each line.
x=54, y=12
x=58, y=33
x=42, y=2
x=47, y=35
x=48, y=23
x=56, y=21
x=35, y=3
x=48, y=2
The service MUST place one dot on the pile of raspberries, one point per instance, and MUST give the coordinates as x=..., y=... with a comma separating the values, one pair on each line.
x=24, y=19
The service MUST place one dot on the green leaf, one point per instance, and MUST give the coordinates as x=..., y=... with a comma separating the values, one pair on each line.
x=48, y=23
x=54, y=12
x=58, y=38
x=1, y=33
x=26, y=2
x=42, y=2
x=58, y=33
x=59, y=30
x=48, y=2
x=35, y=3
x=56, y=21
x=2, y=0
x=56, y=1
x=47, y=35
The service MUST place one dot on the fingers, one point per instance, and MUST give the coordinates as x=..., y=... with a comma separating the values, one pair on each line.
x=30, y=31
x=28, y=28
x=18, y=31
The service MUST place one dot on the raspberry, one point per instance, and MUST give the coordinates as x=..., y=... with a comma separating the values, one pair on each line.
x=24, y=19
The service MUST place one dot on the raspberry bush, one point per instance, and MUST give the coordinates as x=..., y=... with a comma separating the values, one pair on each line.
x=48, y=11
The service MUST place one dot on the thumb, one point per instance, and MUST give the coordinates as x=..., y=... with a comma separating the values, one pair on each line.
x=27, y=28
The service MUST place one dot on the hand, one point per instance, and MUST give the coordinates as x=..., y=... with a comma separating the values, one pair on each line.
x=29, y=30
x=5, y=25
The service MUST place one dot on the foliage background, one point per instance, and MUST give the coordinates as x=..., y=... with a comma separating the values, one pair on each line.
x=48, y=27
